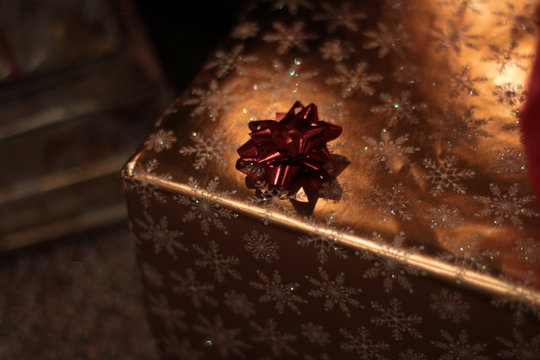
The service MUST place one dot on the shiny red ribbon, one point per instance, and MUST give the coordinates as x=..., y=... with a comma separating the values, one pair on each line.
x=290, y=153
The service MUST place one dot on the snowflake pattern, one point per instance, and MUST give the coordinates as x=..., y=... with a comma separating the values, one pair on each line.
x=278, y=342
x=507, y=56
x=398, y=322
x=289, y=37
x=467, y=255
x=391, y=203
x=509, y=206
x=334, y=292
x=449, y=305
x=393, y=153
x=239, y=303
x=291, y=5
x=315, y=334
x=387, y=40
x=410, y=354
x=509, y=162
x=272, y=200
x=454, y=36
x=518, y=20
x=336, y=50
x=206, y=208
x=225, y=340
x=152, y=276
x=509, y=93
x=205, y=149
x=353, y=79
x=460, y=7
x=362, y=344
x=160, y=140
x=143, y=187
x=459, y=348
x=444, y=217
x=197, y=291
x=519, y=348
x=340, y=16
x=214, y=100
x=220, y=265
x=283, y=81
x=160, y=235
x=517, y=300
x=457, y=127
x=462, y=81
x=445, y=175
x=283, y=294
x=527, y=250
x=229, y=62
x=261, y=247
x=398, y=108
x=325, y=238
x=390, y=263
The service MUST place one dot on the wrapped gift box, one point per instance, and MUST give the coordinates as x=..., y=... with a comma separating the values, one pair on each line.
x=424, y=247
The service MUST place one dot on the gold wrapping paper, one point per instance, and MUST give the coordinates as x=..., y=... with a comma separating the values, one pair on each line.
x=427, y=93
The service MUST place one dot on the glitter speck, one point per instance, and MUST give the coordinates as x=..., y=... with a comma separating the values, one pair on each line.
x=292, y=288
x=292, y=72
x=194, y=133
x=366, y=148
x=245, y=110
x=297, y=61
x=208, y=343
x=396, y=106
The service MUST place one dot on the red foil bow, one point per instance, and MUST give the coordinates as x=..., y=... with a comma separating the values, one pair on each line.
x=290, y=152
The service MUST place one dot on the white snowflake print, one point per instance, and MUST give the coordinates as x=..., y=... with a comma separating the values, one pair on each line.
x=334, y=112
x=390, y=263
x=391, y=203
x=387, y=40
x=457, y=127
x=273, y=200
x=289, y=37
x=197, y=291
x=278, y=342
x=392, y=153
x=454, y=36
x=261, y=246
x=239, y=303
x=245, y=31
x=449, y=305
x=336, y=50
x=205, y=149
x=519, y=20
x=398, y=108
x=508, y=56
x=517, y=300
x=340, y=16
x=160, y=235
x=206, y=208
x=353, y=79
x=282, y=81
x=410, y=354
x=527, y=249
x=315, y=334
x=152, y=276
x=509, y=162
x=466, y=255
x=160, y=140
x=459, y=348
x=229, y=62
x=172, y=318
x=221, y=266
x=283, y=294
x=445, y=175
x=180, y=350
x=226, y=341
x=398, y=322
x=462, y=82
x=334, y=292
x=518, y=348
x=444, y=217
x=324, y=238
x=509, y=93
x=291, y=5
x=214, y=100
x=362, y=344
x=502, y=207
x=141, y=186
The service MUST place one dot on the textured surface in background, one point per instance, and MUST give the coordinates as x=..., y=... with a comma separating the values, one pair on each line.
x=76, y=299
